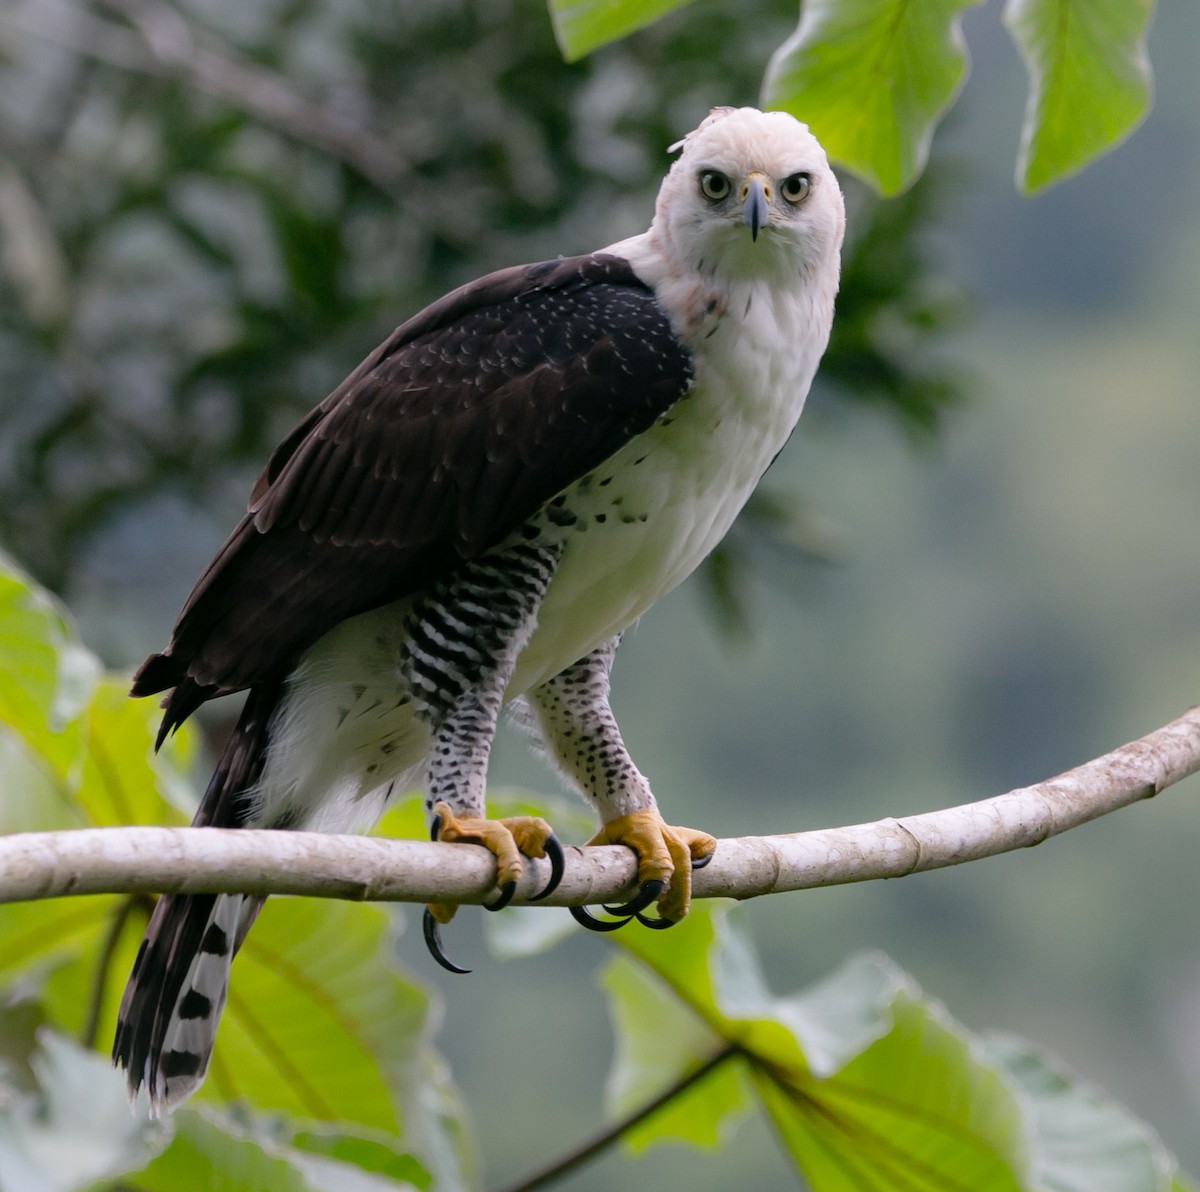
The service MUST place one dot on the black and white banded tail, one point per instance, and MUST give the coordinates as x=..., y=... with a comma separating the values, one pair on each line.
x=168, y=1018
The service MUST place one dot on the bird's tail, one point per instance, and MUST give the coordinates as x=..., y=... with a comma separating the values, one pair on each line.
x=167, y=1022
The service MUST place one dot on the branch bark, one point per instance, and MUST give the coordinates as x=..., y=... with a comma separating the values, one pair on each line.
x=37, y=865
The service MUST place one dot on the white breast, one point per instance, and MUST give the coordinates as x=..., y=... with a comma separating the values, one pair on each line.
x=646, y=519
x=673, y=492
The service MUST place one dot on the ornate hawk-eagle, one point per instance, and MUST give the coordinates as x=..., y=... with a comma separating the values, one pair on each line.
x=473, y=517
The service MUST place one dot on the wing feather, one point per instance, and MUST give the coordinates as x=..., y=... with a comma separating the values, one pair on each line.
x=449, y=436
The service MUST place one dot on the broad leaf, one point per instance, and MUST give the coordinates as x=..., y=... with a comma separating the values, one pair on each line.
x=872, y=78
x=1082, y=1140
x=213, y=1151
x=32, y=798
x=77, y=752
x=210, y=1151
x=123, y=780
x=317, y=1016
x=918, y=1110
x=1089, y=80
x=868, y=1084
x=370, y=1152
x=46, y=676
x=581, y=26
x=207, y=1153
x=320, y=1024
x=75, y=1130
x=657, y=1046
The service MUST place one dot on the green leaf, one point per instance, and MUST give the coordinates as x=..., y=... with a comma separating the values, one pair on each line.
x=320, y=1024
x=31, y=797
x=318, y=1018
x=657, y=1046
x=207, y=1153
x=46, y=676
x=374, y=1153
x=36, y=937
x=918, y=1110
x=1082, y=1140
x=868, y=1083
x=212, y=1151
x=76, y=752
x=1089, y=81
x=581, y=26
x=123, y=781
x=80, y=751
x=76, y=1129
x=872, y=78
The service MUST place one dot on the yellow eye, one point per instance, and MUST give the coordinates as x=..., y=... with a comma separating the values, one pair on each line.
x=796, y=187
x=714, y=186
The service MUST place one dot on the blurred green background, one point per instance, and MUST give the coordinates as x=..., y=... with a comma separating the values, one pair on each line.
x=187, y=266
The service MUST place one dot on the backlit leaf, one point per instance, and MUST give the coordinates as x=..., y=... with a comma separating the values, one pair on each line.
x=1082, y=1140
x=872, y=78
x=581, y=26
x=46, y=675
x=1089, y=80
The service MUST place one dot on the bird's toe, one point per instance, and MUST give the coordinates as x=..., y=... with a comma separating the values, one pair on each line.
x=667, y=856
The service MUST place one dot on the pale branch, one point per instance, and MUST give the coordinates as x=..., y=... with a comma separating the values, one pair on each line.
x=38, y=865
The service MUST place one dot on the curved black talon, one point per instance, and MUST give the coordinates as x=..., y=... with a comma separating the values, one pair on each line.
x=700, y=862
x=435, y=828
x=506, y=896
x=650, y=892
x=558, y=862
x=584, y=919
x=655, y=924
x=433, y=941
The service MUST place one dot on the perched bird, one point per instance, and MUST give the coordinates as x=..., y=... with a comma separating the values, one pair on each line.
x=473, y=517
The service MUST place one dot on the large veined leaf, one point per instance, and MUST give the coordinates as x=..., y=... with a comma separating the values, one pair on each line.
x=321, y=1024
x=918, y=1110
x=1083, y=1140
x=872, y=78
x=1089, y=80
x=75, y=1129
x=657, y=1047
x=46, y=675
x=81, y=755
x=122, y=779
x=869, y=1083
x=317, y=1015
x=209, y=1151
x=581, y=26
x=893, y=1087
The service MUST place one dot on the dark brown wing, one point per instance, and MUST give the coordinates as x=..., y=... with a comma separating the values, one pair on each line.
x=447, y=438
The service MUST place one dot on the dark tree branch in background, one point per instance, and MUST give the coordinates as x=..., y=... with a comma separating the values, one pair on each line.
x=160, y=42
x=596, y=1146
x=188, y=860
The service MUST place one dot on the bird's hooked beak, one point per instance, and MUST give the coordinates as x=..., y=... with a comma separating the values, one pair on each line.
x=756, y=199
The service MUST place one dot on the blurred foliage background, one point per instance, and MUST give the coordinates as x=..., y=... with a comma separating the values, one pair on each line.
x=976, y=565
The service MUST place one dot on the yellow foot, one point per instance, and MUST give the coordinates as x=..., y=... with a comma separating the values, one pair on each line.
x=508, y=840
x=666, y=857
